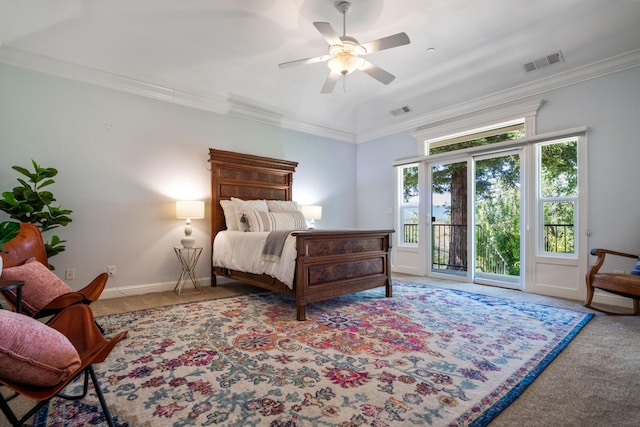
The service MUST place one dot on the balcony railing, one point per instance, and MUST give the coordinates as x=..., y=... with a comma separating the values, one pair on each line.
x=558, y=238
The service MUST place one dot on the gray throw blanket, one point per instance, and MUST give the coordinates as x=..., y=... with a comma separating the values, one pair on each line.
x=274, y=245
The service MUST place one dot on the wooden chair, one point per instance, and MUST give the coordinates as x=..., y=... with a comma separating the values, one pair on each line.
x=627, y=285
x=77, y=324
x=29, y=244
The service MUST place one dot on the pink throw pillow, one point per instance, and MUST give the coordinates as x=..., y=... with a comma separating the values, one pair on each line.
x=41, y=286
x=34, y=354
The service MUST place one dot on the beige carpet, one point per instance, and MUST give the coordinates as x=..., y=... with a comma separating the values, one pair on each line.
x=595, y=381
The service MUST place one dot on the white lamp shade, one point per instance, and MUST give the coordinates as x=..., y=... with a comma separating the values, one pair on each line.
x=193, y=209
x=311, y=212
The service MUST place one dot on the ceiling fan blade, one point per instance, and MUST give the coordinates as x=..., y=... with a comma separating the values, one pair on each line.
x=305, y=61
x=327, y=31
x=377, y=73
x=330, y=83
x=395, y=40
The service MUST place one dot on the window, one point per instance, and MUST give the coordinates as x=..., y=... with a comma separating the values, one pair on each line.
x=409, y=207
x=558, y=196
x=492, y=134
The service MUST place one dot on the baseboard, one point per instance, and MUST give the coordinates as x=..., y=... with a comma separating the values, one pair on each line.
x=147, y=288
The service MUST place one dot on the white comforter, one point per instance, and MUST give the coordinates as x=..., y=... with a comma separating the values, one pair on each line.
x=242, y=251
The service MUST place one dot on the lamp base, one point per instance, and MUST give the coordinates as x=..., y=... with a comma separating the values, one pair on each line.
x=188, y=242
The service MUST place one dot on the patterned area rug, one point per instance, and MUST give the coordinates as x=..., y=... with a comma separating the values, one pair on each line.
x=427, y=356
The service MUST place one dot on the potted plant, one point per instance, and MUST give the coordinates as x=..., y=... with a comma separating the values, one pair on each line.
x=30, y=202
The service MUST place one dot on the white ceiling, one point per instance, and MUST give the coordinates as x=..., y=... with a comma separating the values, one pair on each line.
x=223, y=55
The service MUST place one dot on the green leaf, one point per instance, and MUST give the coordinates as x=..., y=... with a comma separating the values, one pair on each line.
x=8, y=230
x=23, y=171
x=47, y=182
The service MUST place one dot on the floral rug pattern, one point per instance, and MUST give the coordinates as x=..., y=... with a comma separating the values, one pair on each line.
x=427, y=356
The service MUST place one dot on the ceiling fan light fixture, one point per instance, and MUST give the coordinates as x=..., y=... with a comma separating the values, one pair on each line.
x=345, y=63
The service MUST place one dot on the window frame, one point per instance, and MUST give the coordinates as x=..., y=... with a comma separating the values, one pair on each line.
x=402, y=206
x=541, y=200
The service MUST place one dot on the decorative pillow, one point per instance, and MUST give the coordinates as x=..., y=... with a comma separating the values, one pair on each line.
x=260, y=205
x=245, y=212
x=636, y=268
x=34, y=354
x=282, y=206
x=272, y=221
x=41, y=286
x=230, y=218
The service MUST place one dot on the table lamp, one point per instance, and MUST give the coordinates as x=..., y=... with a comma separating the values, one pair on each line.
x=189, y=209
x=311, y=213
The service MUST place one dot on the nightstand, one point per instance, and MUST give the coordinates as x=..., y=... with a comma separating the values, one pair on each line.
x=188, y=258
x=7, y=285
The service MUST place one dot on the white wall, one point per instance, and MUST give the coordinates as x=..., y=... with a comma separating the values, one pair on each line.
x=608, y=106
x=123, y=160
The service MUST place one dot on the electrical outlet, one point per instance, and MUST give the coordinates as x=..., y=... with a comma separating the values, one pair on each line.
x=112, y=270
x=69, y=274
x=619, y=271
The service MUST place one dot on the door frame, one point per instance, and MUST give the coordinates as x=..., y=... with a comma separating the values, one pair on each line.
x=538, y=268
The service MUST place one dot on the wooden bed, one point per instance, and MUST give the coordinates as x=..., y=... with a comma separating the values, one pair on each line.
x=329, y=263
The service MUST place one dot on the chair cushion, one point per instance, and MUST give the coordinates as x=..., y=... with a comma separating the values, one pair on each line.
x=32, y=353
x=636, y=268
x=41, y=286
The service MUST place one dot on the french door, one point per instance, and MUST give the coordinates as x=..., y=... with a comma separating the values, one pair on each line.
x=476, y=219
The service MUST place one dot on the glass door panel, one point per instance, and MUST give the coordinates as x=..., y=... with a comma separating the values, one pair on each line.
x=449, y=225
x=497, y=218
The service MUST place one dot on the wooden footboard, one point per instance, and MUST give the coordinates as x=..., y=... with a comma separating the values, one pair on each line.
x=330, y=263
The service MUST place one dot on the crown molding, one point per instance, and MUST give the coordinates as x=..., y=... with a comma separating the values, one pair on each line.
x=538, y=87
x=208, y=102
x=221, y=105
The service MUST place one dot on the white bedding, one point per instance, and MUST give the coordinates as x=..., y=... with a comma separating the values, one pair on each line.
x=238, y=250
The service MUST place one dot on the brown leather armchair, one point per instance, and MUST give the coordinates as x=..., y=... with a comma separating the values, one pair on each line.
x=29, y=244
x=77, y=324
x=626, y=285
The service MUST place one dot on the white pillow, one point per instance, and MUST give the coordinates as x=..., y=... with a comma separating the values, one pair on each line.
x=282, y=205
x=272, y=221
x=245, y=212
x=230, y=217
x=260, y=205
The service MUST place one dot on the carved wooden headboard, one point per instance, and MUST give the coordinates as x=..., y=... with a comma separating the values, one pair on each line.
x=248, y=177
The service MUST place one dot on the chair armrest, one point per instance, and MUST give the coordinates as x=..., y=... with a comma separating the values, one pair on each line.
x=78, y=325
x=94, y=289
x=60, y=303
x=601, y=254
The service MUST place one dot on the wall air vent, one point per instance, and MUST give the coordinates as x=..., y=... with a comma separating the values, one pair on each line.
x=554, y=58
x=400, y=111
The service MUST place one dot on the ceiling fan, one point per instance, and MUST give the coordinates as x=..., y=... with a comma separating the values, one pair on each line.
x=345, y=53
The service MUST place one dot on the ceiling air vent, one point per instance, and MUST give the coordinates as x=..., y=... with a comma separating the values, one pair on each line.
x=400, y=111
x=554, y=58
